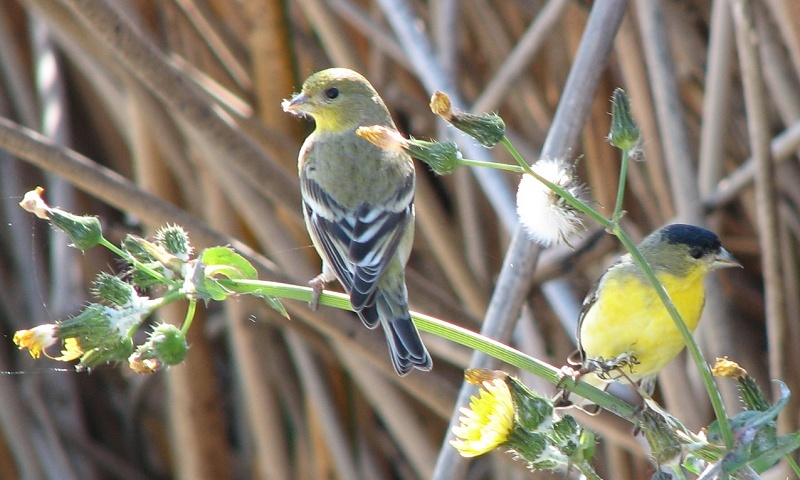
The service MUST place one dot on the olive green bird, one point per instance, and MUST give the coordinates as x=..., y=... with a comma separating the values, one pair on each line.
x=358, y=207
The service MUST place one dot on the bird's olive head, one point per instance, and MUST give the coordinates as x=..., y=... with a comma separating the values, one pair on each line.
x=339, y=99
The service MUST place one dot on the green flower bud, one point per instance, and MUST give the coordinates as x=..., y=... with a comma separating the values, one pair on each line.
x=530, y=447
x=665, y=446
x=84, y=231
x=488, y=129
x=133, y=245
x=154, y=255
x=532, y=411
x=166, y=346
x=442, y=157
x=175, y=240
x=97, y=356
x=169, y=343
x=101, y=332
x=752, y=396
x=111, y=289
x=92, y=322
x=624, y=134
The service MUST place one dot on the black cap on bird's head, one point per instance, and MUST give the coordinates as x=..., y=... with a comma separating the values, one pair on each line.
x=697, y=244
x=701, y=238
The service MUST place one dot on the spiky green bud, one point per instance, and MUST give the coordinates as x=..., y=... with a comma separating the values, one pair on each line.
x=166, y=346
x=442, y=157
x=532, y=411
x=133, y=245
x=624, y=134
x=665, y=447
x=113, y=290
x=488, y=129
x=103, y=334
x=175, y=240
x=84, y=230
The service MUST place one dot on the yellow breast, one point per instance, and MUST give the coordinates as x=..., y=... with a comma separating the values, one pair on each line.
x=629, y=318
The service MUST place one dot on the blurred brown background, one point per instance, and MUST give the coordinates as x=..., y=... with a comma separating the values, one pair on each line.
x=182, y=98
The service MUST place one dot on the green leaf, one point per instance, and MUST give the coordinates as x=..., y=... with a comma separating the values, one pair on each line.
x=227, y=263
x=223, y=261
x=783, y=446
x=274, y=303
x=211, y=288
x=756, y=438
x=260, y=292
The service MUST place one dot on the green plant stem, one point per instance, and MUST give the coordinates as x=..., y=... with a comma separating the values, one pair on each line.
x=129, y=258
x=447, y=331
x=794, y=465
x=623, y=176
x=497, y=166
x=190, y=311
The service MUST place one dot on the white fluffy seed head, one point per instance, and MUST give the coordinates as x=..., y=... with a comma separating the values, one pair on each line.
x=545, y=216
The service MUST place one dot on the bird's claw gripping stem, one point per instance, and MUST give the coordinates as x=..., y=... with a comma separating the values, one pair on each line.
x=317, y=284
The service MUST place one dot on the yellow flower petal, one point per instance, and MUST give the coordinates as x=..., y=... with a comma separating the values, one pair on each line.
x=72, y=351
x=37, y=339
x=488, y=421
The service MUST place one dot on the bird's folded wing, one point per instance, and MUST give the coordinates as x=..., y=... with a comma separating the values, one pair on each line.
x=359, y=245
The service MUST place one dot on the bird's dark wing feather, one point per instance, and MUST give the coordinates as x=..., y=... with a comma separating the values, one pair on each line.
x=358, y=245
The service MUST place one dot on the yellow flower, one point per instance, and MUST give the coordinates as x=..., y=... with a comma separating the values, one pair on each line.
x=488, y=421
x=72, y=351
x=727, y=368
x=37, y=339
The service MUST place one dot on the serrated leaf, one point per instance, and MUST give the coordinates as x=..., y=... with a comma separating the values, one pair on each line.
x=226, y=262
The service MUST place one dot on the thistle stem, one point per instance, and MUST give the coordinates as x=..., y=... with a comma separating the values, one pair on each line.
x=128, y=257
x=497, y=166
x=190, y=311
x=623, y=176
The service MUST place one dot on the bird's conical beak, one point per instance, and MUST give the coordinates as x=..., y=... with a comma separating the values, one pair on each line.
x=724, y=259
x=296, y=104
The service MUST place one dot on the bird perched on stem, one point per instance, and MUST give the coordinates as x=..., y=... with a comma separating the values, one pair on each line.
x=358, y=207
x=625, y=327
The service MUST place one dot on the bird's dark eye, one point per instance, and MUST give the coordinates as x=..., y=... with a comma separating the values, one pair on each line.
x=696, y=252
x=332, y=93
